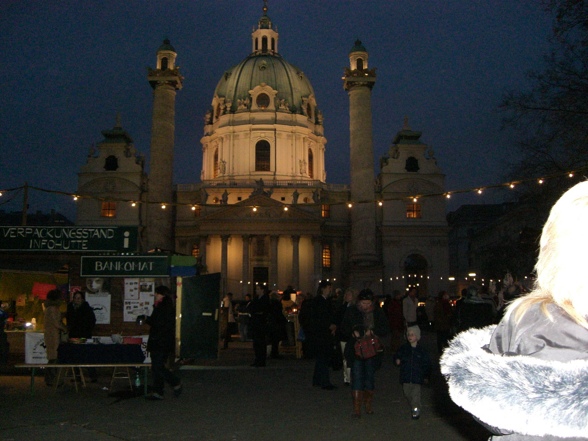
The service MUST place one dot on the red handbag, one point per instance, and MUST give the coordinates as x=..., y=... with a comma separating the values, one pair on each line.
x=368, y=347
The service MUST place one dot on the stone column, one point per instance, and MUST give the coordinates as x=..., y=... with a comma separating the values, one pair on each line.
x=165, y=81
x=273, y=272
x=245, y=269
x=317, y=246
x=295, y=261
x=203, y=244
x=224, y=262
x=358, y=82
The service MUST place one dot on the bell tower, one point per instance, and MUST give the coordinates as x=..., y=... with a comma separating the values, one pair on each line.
x=165, y=80
x=358, y=82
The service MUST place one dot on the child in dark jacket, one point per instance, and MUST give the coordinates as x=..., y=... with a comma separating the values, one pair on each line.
x=415, y=366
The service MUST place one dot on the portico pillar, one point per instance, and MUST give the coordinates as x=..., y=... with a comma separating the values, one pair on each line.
x=245, y=270
x=202, y=245
x=273, y=273
x=295, y=261
x=224, y=262
x=318, y=261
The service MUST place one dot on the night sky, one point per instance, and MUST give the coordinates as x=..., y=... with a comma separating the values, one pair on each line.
x=68, y=68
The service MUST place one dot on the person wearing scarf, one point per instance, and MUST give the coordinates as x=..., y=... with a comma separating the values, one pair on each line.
x=364, y=318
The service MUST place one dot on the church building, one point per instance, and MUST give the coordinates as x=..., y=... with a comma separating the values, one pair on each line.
x=263, y=211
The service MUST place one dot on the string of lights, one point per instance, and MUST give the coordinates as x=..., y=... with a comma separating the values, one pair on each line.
x=380, y=201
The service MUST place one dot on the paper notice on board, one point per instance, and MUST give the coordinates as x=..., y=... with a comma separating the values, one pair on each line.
x=131, y=289
x=141, y=298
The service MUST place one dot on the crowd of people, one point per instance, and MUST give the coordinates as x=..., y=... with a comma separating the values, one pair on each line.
x=517, y=360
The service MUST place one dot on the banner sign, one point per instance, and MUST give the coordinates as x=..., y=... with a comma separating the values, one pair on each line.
x=124, y=266
x=75, y=239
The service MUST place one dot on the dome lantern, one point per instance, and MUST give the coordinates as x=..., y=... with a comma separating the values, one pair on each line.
x=265, y=38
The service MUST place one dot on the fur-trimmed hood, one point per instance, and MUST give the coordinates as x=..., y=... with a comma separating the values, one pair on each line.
x=519, y=394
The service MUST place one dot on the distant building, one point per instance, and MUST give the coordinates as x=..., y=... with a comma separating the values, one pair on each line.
x=262, y=210
x=52, y=218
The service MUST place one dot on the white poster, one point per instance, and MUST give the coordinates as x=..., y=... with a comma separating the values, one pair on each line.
x=139, y=298
x=35, y=348
x=100, y=303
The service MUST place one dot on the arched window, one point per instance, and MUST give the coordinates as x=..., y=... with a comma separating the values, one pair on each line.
x=273, y=44
x=256, y=44
x=262, y=156
x=164, y=63
x=264, y=44
x=359, y=64
x=262, y=100
x=111, y=163
x=215, y=165
x=310, y=164
x=412, y=164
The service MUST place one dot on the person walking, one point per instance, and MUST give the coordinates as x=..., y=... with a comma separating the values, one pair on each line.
x=259, y=315
x=415, y=367
x=161, y=343
x=53, y=329
x=409, y=308
x=364, y=318
x=80, y=320
x=322, y=335
x=348, y=302
x=525, y=378
x=443, y=319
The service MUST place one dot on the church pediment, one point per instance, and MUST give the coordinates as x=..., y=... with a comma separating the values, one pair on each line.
x=261, y=207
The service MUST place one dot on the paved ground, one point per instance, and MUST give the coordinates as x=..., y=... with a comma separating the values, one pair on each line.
x=231, y=401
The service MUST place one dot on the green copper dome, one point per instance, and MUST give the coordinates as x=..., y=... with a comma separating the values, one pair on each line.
x=271, y=69
x=358, y=47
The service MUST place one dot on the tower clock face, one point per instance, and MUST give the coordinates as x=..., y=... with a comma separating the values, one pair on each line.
x=262, y=101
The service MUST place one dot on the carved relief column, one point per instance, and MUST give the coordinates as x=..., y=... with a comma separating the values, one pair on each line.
x=245, y=270
x=273, y=273
x=224, y=262
x=295, y=261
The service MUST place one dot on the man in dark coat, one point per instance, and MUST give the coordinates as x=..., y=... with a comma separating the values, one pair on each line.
x=161, y=343
x=259, y=315
x=322, y=325
x=81, y=320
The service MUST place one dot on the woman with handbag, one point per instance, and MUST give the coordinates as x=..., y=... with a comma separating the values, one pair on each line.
x=362, y=325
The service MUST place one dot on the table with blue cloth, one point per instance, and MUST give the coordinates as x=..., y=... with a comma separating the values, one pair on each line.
x=71, y=353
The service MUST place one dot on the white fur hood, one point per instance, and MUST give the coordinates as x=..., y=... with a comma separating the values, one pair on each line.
x=517, y=394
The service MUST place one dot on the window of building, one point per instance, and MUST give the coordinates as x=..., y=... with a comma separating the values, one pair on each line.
x=359, y=64
x=164, y=63
x=262, y=156
x=108, y=209
x=413, y=211
x=262, y=101
x=111, y=163
x=196, y=250
x=326, y=256
x=310, y=164
x=264, y=44
x=325, y=210
x=412, y=164
x=215, y=165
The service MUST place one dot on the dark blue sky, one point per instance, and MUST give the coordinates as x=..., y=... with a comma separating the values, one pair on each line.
x=68, y=67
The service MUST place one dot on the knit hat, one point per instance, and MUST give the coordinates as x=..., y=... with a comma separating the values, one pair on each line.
x=415, y=330
x=365, y=294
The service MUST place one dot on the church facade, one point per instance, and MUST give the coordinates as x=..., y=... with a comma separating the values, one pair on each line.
x=263, y=211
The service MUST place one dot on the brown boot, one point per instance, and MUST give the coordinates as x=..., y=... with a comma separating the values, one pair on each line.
x=357, y=400
x=368, y=396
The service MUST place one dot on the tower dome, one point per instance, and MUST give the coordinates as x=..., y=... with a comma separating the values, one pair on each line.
x=263, y=121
